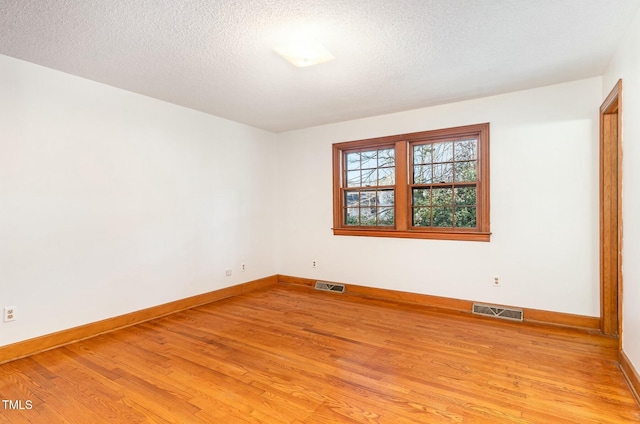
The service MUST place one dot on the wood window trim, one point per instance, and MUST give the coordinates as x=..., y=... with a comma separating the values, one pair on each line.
x=403, y=227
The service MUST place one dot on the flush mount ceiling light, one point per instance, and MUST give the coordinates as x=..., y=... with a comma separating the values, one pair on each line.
x=304, y=54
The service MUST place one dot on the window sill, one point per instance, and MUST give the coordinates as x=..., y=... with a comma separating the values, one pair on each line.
x=433, y=235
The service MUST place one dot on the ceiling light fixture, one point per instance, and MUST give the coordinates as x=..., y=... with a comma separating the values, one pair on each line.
x=304, y=54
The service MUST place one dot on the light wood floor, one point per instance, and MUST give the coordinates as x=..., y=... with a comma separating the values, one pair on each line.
x=289, y=354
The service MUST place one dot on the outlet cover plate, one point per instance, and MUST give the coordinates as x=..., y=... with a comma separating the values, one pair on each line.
x=9, y=313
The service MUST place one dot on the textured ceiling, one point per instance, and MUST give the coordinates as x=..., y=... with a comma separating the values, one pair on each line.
x=391, y=55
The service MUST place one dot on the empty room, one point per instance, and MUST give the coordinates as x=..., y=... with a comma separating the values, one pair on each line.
x=338, y=211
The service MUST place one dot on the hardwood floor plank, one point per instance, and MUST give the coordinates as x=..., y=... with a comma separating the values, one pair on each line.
x=289, y=354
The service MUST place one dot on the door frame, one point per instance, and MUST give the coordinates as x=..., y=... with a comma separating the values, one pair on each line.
x=610, y=162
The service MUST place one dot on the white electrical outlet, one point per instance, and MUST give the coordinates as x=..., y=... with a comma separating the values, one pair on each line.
x=243, y=267
x=314, y=263
x=9, y=313
x=496, y=282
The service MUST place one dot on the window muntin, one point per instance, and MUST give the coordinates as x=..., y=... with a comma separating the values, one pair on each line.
x=431, y=184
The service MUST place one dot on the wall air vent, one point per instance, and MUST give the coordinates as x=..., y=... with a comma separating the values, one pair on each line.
x=498, y=312
x=331, y=287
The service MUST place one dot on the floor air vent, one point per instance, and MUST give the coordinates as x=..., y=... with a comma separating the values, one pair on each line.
x=332, y=287
x=498, y=312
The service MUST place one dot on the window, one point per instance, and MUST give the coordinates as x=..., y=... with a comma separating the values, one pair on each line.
x=431, y=184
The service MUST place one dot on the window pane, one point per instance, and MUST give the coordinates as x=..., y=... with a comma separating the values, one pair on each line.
x=369, y=177
x=370, y=159
x=421, y=217
x=353, y=161
x=443, y=173
x=422, y=174
x=385, y=216
x=367, y=199
x=353, y=179
x=466, y=171
x=352, y=199
x=386, y=157
x=422, y=154
x=442, y=217
x=368, y=216
x=443, y=152
x=442, y=197
x=386, y=176
x=466, y=150
x=352, y=216
x=465, y=195
x=385, y=197
x=465, y=217
x=421, y=197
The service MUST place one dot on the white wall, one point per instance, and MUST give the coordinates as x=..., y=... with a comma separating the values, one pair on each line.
x=111, y=202
x=544, y=205
x=626, y=65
